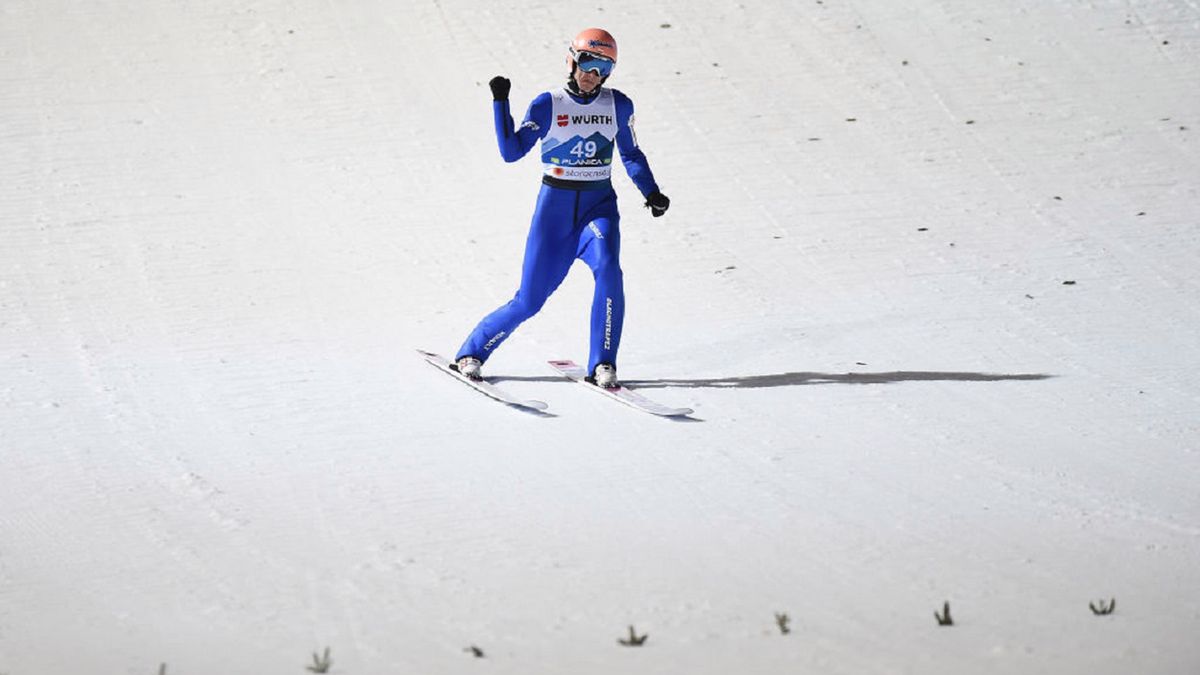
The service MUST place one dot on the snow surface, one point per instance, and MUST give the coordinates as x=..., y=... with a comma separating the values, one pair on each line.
x=929, y=280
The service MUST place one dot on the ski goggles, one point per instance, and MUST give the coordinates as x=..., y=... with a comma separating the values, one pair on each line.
x=595, y=63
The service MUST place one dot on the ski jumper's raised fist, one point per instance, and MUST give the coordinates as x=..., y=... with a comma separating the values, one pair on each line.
x=500, y=86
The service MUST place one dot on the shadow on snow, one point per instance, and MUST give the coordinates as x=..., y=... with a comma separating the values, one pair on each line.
x=807, y=378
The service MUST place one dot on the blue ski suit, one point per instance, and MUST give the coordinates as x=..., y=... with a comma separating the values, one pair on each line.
x=573, y=219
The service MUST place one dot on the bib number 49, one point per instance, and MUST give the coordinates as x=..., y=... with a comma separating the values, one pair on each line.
x=584, y=149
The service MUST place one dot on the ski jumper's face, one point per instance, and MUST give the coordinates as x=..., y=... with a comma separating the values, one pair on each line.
x=587, y=81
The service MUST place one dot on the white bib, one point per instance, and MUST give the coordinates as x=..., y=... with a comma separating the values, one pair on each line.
x=579, y=145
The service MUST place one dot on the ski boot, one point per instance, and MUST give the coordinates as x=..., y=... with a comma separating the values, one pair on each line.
x=470, y=368
x=605, y=376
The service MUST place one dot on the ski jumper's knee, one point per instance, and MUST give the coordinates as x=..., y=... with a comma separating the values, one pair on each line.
x=526, y=303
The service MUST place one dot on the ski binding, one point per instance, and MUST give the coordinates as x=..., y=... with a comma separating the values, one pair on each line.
x=629, y=397
x=482, y=386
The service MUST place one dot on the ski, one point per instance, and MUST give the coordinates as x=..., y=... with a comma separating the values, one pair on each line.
x=482, y=386
x=629, y=397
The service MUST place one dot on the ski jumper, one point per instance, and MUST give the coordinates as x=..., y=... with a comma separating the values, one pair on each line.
x=576, y=214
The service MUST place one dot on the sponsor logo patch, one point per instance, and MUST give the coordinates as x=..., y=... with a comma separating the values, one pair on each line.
x=587, y=119
x=564, y=120
x=574, y=173
x=492, y=343
x=608, y=317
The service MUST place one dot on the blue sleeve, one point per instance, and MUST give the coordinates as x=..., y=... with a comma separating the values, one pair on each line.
x=631, y=155
x=515, y=143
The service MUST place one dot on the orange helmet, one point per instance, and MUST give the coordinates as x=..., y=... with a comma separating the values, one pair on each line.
x=595, y=41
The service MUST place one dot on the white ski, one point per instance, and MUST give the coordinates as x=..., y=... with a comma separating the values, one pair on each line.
x=482, y=386
x=625, y=395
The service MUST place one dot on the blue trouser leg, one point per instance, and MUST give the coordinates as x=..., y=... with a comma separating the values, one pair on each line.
x=600, y=248
x=549, y=251
x=567, y=224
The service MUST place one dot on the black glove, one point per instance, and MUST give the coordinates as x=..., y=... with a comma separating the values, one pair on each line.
x=658, y=203
x=500, y=86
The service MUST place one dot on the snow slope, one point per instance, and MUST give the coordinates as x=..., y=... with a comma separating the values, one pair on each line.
x=929, y=280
